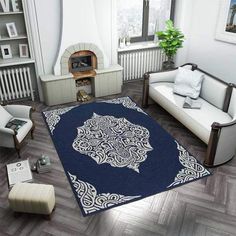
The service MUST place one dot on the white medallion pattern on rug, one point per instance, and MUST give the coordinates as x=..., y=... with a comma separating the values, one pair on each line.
x=193, y=170
x=115, y=141
x=91, y=201
x=53, y=117
x=126, y=102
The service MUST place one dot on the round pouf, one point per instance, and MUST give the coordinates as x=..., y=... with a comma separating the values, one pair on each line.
x=32, y=198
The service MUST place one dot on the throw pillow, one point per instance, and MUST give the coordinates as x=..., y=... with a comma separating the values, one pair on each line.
x=188, y=83
x=4, y=117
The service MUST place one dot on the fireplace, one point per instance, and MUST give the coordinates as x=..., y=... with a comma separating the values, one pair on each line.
x=82, y=63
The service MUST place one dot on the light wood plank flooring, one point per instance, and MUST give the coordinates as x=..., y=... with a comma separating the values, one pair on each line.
x=204, y=207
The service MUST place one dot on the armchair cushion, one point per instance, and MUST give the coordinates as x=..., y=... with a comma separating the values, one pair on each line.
x=188, y=83
x=24, y=130
x=4, y=117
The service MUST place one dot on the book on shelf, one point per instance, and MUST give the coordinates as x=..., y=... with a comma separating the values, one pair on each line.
x=15, y=124
x=19, y=172
x=191, y=104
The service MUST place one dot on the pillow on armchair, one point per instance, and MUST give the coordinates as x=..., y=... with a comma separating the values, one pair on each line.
x=4, y=117
x=188, y=83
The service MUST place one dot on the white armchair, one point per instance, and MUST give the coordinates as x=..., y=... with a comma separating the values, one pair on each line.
x=10, y=138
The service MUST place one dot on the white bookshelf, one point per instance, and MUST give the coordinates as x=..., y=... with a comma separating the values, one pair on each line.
x=11, y=13
x=24, y=36
x=15, y=61
x=7, y=38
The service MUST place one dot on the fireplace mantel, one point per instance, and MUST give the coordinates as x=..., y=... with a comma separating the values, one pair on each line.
x=74, y=31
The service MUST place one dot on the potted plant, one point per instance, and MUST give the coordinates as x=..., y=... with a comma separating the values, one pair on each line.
x=170, y=41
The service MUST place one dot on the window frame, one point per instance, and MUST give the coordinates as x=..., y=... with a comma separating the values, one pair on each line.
x=145, y=36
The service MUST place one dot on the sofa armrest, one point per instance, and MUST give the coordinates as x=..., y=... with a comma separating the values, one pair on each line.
x=7, y=131
x=163, y=76
x=222, y=144
x=20, y=111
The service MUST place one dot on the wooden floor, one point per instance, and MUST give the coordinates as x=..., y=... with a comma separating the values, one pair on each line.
x=204, y=207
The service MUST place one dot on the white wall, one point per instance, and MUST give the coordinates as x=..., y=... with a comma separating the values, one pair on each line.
x=48, y=19
x=197, y=19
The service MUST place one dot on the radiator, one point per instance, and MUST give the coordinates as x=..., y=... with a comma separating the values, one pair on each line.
x=137, y=62
x=15, y=84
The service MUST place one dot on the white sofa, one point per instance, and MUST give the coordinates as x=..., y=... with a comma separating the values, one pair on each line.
x=214, y=123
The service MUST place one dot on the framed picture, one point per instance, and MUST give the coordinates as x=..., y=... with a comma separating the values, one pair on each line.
x=24, y=51
x=226, y=25
x=11, y=29
x=6, y=51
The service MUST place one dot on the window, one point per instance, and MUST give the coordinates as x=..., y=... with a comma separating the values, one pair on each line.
x=140, y=19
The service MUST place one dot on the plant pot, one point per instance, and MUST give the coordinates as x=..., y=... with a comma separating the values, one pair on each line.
x=168, y=65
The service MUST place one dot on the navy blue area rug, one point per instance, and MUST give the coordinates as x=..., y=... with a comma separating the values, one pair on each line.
x=114, y=153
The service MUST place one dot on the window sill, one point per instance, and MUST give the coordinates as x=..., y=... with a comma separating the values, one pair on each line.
x=137, y=46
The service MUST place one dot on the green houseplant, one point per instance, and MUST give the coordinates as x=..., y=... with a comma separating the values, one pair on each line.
x=170, y=40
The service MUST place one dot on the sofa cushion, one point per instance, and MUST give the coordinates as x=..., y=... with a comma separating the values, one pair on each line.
x=188, y=83
x=209, y=88
x=199, y=121
x=4, y=117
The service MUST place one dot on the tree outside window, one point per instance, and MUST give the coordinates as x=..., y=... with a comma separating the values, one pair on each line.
x=140, y=19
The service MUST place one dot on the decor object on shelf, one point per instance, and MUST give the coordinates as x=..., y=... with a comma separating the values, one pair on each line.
x=6, y=51
x=214, y=123
x=122, y=42
x=19, y=172
x=11, y=29
x=5, y=5
x=170, y=41
x=23, y=49
x=11, y=138
x=226, y=28
x=117, y=141
x=32, y=198
x=127, y=40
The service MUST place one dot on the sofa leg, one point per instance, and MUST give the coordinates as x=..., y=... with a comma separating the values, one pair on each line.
x=32, y=134
x=17, y=214
x=32, y=131
x=18, y=153
x=145, y=90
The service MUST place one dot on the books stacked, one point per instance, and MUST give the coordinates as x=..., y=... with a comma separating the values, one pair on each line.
x=43, y=164
x=19, y=172
x=15, y=124
x=190, y=104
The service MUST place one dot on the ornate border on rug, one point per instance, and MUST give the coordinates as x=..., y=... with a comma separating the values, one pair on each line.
x=193, y=170
x=126, y=102
x=91, y=201
x=53, y=117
